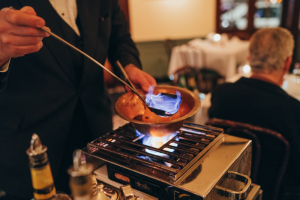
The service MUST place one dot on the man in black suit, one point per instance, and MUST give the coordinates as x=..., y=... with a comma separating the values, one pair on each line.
x=260, y=100
x=54, y=91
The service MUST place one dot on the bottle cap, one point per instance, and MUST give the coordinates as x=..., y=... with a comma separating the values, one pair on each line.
x=80, y=176
x=80, y=167
x=36, y=147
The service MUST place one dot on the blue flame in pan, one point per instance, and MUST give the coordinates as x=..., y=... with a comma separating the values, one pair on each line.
x=163, y=102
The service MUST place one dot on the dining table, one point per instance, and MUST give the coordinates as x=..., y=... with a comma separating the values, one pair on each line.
x=222, y=56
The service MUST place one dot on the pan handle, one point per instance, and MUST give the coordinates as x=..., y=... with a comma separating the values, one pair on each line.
x=235, y=195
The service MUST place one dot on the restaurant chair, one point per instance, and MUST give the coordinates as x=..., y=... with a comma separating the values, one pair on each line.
x=185, y=77
x=208, y=80
x=204, y=80
x=270, y=154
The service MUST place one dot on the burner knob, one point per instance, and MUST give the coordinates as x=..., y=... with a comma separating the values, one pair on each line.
x=128, y=193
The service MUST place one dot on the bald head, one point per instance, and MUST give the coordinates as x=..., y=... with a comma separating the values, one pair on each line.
x=269, y=48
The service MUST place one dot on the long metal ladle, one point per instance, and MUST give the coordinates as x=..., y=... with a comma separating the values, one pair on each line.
x=154, y=110
x=91, y=58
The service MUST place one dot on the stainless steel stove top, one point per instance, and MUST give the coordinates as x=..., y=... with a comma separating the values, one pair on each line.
x=197, y=161
x=124, y=147
x=233, y=154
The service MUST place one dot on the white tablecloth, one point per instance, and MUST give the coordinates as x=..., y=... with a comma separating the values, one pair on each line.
x=222, y=57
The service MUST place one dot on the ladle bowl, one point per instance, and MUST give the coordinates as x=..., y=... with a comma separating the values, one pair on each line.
x=189, y=106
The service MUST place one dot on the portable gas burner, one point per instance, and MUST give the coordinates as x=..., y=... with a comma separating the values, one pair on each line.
x=192, y=163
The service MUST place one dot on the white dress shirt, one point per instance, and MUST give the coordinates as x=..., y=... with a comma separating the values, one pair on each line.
x=67, y=10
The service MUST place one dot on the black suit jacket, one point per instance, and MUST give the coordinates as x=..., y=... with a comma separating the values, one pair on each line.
x=3, y=79
x=42, y=90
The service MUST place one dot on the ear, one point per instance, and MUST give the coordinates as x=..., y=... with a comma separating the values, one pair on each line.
x=287, y=64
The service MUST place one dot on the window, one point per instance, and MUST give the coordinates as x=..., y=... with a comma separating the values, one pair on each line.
x=267, y=14
x=243, y=17
x=233, y=14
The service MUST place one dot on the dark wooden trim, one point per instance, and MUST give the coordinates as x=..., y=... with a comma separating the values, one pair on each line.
x=251, y=11
x=290, y=21
x=218, y=15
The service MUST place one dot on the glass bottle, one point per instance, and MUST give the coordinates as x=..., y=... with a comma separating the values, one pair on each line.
x=82, y=183
x=41, y=175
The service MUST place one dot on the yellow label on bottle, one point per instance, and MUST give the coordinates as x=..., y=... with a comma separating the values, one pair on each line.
x=42, y=182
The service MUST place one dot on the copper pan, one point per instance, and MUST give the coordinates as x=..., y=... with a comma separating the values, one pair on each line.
x=189, y=106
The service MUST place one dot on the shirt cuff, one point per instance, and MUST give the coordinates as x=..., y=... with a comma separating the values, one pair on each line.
x=4, y=67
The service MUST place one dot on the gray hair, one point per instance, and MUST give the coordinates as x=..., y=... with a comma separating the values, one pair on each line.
x=269, y=48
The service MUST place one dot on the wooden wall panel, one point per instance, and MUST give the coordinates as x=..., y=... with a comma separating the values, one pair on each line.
x=290, y=21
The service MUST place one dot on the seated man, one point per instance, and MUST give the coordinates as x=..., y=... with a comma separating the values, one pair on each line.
x=259, y=100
